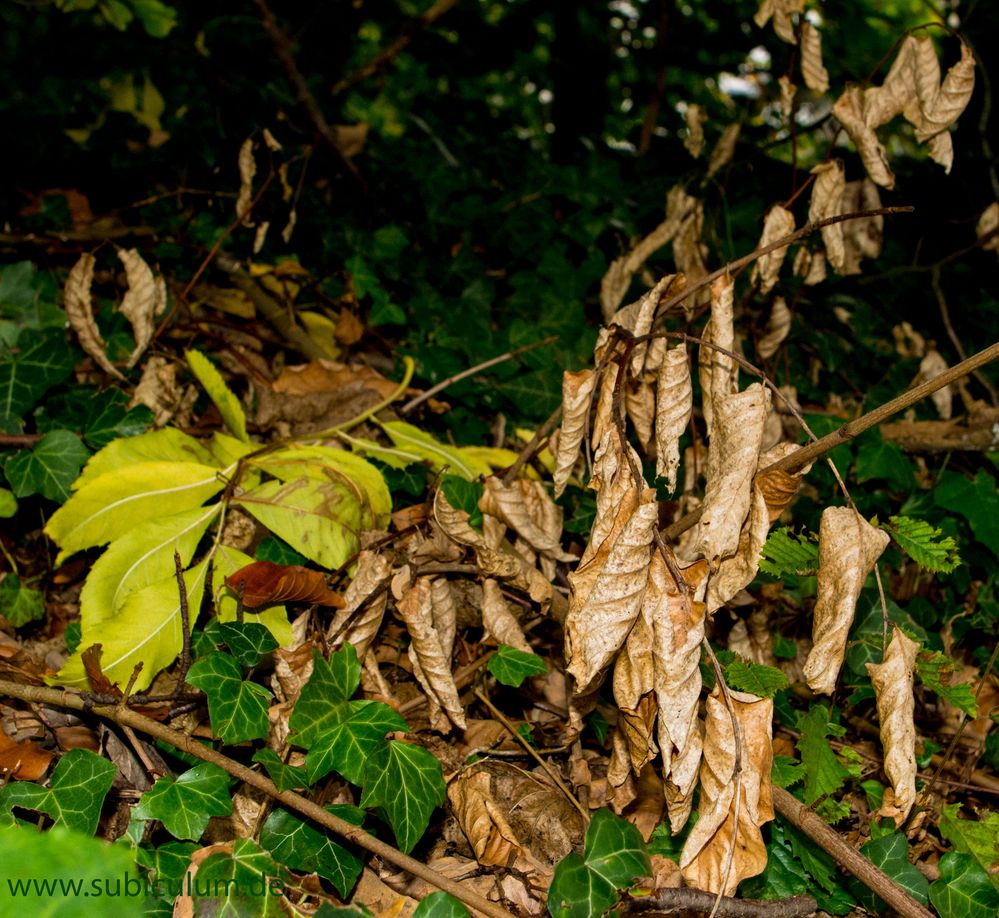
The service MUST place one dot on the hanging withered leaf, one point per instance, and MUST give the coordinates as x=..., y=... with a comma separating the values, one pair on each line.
x=932, y=365
x=849, y=547
x=577, y=394
x=787, y=93
x=781, y=11
x=80, y=313
x=892, y=681
x=526, y=508
x=777, y=329
x=143, y=301
x=862, y=237
x=716, y=370
x=264, y=583
x=694, y=117
x=724, y=150
x=725, y=845
x=779, y=222
x=812, y=70
x=987, y=225
x=827, y=201
x=247, y=170
x=367, y=589
x=498, y=619
x=674, y=402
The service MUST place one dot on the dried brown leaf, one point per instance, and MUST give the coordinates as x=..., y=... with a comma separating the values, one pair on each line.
x=674, y=402
x=850, y=110
x=724, y=150
x=725, y=845
x=988, y=222
x=577, y=395
x=892, y=681
x=812, y=70
x=716, y=370
x=689, y=252
x=810, y=266
x=247, y=170
x=526, y=508
x=932, y=365
x=827, y=201
x=498, y=620
x=862, y=237
x=694, y=118
x=946, y=105
x=367, y=589
x=779, y=222
x=143, y=301
x=787, y=94
x=264, y=582
x=778, y=327
x=781, y=11
x=617, y=280
x=80, y=313
x=849, y=547
x=637, y=317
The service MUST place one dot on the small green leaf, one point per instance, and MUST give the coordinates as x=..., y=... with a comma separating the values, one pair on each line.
x=284, y=776
x=511, y=666
x=20, y=604
x=824, y=773
x=785, y=648
x=936, y=672
x=979, y=838
x=50, y=468
x=785, y=553
x=413, y=440
x=404, y=782
x=249, y=642
x=223, y=397
x=80, y=782
x=976, y=500
x=185, y=804
x=964, y=889
x=927, y=546
x=463, y=494
x=891, y=854
x=319, y=706
x=786, y=771
x=881, y=459
x=280, y=552
x=755, y=678
x=237, y=707
x=347, y=746
x=300, y=847
x=8, y=504
x=440, y=905
x=157, y=18
x=38, y=366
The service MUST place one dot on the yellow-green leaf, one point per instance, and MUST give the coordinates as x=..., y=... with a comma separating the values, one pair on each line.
x=224, y=398
x=319, y=519
x=111, y=505
x=226, y=562
x=146, y=630
x=412, y=439
x=141, y=557
x=167, y=445
x=228, y=450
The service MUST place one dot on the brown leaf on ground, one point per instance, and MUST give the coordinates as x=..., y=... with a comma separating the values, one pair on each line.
x=524, y=506
x=725, y=845
x=80, y=314
x=143, y=301
x=264, y=583
x=367, y=590
x=24, y=761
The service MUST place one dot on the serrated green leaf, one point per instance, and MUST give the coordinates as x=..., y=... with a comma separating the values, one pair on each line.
x=330, y=685
x=166, y=445
x=49, y=469
x=224, y=398
x=927, y=546
x=284, y=776
x=147, y=629
x=785, y=553
x=786, y=771
x=936, y=672
x=824, y=773
x=891, y=854
x=755, y=678
x=979, y=838
x=413, y=440
x=406, y=784
x=440, y=905
x=237, y=707
x=185, y=804
x=141, y=557
x=321, y=519
x=108, y=507
x=614, y=855
x=246, y=882
x=226, y=562
x=307, y=850
x=964, y=889
x=248, y=641
x=511, y=666
x=41, y=363
x=79, y=785
x=20, y=604
x=785, y=648
x=346, y=746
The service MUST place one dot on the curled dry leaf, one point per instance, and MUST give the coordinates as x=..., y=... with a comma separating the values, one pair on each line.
x=810, y=266
x=640, y=407
x=689, y=252
x=753, y=638
x=445, y=614
x=813, y=72
x=827, y=201
x=454, y=522
x=637, y=318
x=498, y=620
x=862, y=237
x=694, y=117
x=674, y=402
x=779, y=222
x=527, y=509
x=892, y=681
x=732, y=808
x=577, y=394
x=633, y=685
x=264, y=582
x=781, y=11
x=158, y=390
x=849, y=547
x=80, y=314
x=932, y=365
x=430, y=665
x=143, y=301
x=724, y=150
x=777, y=329
x=987, y=225
x=367, y=589
x=247, y=170
x=717, y=371
x=787, y=93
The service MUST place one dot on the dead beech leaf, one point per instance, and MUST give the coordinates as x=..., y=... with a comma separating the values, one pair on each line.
x=892, y=681
x=694, y=118
x=367, y=589
x=862, y=237
x=158, y=389
x=827, y=201
x=813, y=72
x=525, y=507
x=932, y=365
x=577, y=395
x=987, y=224
x=445, y=614
x=264, y=582
x=731, y=813
x=637, y=318
x=674, y=402
x=498, y=620
x=24, y=761
x=779, y=222
x=781, y=11
x=616, y=281
x=724, y=150
x=716, y=370
x=143, y=301
x=810, y=266
x=247, y=170
x=640, y=407
x=689, y=252
x=777, y=329
x=80, y=314
x=849, y=547
x=753, y=638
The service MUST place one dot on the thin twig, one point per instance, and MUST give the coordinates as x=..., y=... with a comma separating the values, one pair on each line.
x=528, y=451
x=72, y=700
x=185, y=625
x=471, y=371
x=666, y=901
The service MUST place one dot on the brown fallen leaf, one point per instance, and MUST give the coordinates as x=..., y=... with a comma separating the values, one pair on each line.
x=264, y=582
x=24, y=761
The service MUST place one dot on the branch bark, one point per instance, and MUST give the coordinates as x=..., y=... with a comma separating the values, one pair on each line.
x=666, y=901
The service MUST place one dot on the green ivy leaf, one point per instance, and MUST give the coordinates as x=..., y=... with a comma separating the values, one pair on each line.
x=300, y=847
x=284, y=776
x=169, y=862
x=108, y=417
x=463, y=494
x=280, y=552
x=249, y=879
x=49, y=469
x=223, y=397
x=20, y=604
x=79, y=784
x=782, y=878
x=891, y=854
x=248, y=641
x=755, y=678
x=979, y=839
x=440, y=905
x=824, y=773
x=613, y=856
x=404, y=782
x=785, y=553
x=881, y=459
x=185, y=804
x=511, y=666
x=964, y=889
x=926, y=545
x=936, y=672
x=318, y=707
x=976, y=500
x=346, y=747
x=38, y=366
x=237, y=707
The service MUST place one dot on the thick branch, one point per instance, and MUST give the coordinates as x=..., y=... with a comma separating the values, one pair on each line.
x=666, y=901
x=129, y=718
